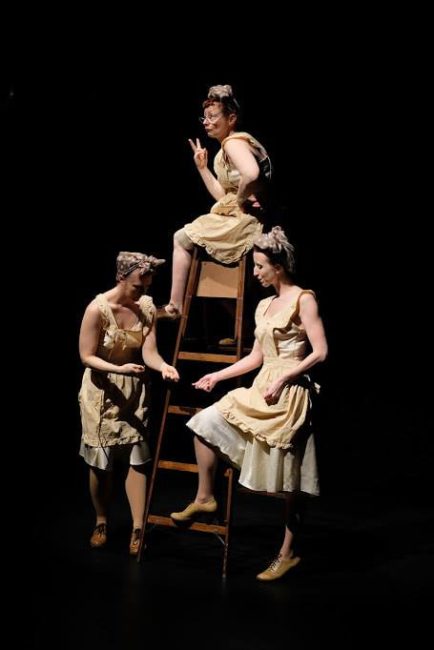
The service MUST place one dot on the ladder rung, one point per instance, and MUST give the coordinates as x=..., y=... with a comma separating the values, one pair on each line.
x=204, y=528
x=181, y=467
x=185, y=467
x=208, y=356
x=183, y=410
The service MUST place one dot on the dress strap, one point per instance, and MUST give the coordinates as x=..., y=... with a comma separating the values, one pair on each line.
x=148, y=310
x=297, y=306
x=106, y=312
x=260, y=152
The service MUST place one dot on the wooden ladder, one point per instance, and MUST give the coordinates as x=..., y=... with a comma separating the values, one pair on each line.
x=207, y=279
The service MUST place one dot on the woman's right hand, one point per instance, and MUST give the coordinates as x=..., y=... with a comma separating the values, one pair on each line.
x=207, y=382
x=200, y=156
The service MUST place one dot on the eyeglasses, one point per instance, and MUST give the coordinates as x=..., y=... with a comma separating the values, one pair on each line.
x=209, y=118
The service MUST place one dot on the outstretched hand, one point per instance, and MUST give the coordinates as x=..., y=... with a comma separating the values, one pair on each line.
x=207, y=382
x=169, y=372
x=200, y=156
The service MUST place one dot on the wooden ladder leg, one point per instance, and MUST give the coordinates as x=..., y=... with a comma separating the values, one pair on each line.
x=196, y=287
x=239, y=312
x=150, y=489
x=228, y=519
x=191, y=287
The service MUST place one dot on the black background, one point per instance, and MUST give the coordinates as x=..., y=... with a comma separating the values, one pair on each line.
x=95, y=120
x=98, y=152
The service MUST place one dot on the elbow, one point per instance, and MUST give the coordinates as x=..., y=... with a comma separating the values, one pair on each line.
x=322, y=354
x=85, y=360
x=250, y=177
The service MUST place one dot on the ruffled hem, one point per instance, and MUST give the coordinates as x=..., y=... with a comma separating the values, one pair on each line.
x=216, y=253
x=240, y=424
x=261, y=469
x=103, y=457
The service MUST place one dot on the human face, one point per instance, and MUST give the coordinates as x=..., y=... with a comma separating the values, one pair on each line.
x=136, y=285
x=264, y=270
x=216, y=123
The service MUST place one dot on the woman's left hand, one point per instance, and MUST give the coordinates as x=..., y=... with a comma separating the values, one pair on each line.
x=169, y=372
x=273, y=392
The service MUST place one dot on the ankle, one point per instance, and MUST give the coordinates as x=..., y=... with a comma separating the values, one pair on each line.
x=205, y=499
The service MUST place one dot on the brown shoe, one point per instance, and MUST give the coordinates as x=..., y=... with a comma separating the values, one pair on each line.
x=135, y=541
x=278, y=568
x=194, y=509
x=99, y=536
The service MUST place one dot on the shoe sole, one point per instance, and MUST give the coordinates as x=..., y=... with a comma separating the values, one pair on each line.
x=201, y=517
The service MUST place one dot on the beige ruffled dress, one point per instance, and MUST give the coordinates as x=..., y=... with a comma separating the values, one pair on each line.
x=272, y=446
x=114, y=408
x=227, y=233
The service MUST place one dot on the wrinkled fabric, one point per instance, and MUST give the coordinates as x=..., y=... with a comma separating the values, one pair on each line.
x=262, y=468
x=114, y=407
x=272, y=445
x=226, y=232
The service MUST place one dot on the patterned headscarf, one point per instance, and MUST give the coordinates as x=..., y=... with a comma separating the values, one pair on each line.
x=277, y=243
x=127, y=262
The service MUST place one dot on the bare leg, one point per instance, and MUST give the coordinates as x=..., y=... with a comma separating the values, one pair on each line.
x=293, y=507
x=180, y=267
x=286, y=559
x=135, y=487
x=100, y=483
x=207, y=462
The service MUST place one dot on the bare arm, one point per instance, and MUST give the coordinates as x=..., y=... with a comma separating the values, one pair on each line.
x=201, y=161
x=154, y=360
x=244, y=161
x=241, y=367
x=313, y=325
x=90, y=332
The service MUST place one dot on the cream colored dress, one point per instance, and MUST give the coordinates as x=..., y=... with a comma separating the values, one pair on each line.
x=227, y=233
x=273, y=446
x=114, y=409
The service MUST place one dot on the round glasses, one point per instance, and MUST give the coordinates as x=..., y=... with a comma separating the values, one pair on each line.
x=209, y=118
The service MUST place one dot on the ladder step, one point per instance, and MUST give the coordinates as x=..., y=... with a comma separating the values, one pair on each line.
x=204, y=528
x=183, y=410
x=208, y=356
x=185, y=467
x=181, y=467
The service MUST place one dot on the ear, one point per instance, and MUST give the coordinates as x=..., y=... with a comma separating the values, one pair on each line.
x=232, y=119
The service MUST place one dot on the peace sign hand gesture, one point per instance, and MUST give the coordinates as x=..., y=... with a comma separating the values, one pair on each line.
x=200, y=156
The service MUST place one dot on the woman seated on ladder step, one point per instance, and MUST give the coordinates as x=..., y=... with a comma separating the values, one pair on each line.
x=242, y=168
x=265, y=431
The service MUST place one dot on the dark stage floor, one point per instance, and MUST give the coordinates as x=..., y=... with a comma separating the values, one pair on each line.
x=366, y=576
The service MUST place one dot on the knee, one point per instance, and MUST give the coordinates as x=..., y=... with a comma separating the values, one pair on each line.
x=182, y=240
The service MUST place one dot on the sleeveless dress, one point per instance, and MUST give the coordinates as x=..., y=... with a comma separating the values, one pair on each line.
x=272, y=445
x=227, y=233
x=114, y=407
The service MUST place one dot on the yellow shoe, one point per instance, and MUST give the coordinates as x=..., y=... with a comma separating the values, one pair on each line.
x=194, y=509
x=228, y=342
x=99, y=536
x=278, y=568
